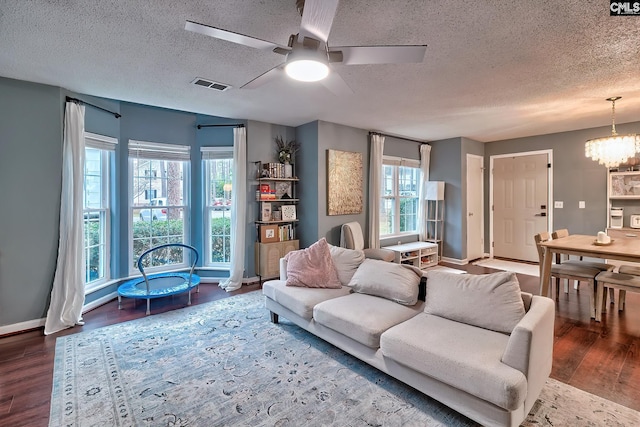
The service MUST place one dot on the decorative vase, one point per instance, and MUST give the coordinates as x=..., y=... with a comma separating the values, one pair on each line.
x=288, y=170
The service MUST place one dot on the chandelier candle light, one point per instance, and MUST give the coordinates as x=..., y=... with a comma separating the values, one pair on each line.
x=611, y=151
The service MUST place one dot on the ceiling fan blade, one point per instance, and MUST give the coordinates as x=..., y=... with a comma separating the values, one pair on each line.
x=353, y=55
x=233, y=37
x=264, y=78
x=317, y=18
x=336, y=84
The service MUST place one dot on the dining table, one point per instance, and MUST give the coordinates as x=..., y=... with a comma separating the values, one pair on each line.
x=587, y=246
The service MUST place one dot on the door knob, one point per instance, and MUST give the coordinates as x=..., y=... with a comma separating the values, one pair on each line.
x=470, y=213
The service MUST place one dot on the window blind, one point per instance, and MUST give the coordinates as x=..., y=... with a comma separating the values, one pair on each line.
x=101, y=142
x=216, y=153
x=398, y=161
x=156, y=151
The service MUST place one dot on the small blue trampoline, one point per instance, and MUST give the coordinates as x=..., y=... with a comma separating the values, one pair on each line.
x=160, y=285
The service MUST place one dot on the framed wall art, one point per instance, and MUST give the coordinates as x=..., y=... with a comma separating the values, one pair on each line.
x=344, y=183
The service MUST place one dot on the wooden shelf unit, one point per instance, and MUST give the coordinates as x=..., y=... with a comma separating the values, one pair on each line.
x=269, y=248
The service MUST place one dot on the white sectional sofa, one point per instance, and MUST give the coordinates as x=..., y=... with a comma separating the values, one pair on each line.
x=471, y=344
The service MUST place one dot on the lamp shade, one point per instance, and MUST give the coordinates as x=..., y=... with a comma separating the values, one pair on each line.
x=435, y=190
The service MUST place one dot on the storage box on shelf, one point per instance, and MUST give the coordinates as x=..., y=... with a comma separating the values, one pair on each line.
x=418, y=254
x=277, y=216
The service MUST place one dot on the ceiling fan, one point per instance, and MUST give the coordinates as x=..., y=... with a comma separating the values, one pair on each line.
x=307, y=53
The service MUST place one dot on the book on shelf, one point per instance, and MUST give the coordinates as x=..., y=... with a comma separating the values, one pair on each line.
x=265, y=210
x=273, y=170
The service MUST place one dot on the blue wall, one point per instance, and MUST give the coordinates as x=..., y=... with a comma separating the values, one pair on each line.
x=30, y=185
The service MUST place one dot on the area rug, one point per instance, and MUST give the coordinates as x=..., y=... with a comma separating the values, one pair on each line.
x=518, y=267
x=225, y=364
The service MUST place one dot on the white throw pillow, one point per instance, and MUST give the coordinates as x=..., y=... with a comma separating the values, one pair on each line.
x=395, y=282
x=490, y=301
x=346, y=261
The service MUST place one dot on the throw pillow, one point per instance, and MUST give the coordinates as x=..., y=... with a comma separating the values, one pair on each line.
x=312, y=267
x=346, y=261
x=489, y=301
x=396, y=282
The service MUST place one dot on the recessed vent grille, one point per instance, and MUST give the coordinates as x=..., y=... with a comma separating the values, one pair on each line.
x=220, y=87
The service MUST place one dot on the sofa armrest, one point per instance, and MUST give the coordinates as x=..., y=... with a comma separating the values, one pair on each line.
x=381, y=254
x=283, y=269
x=530, y=346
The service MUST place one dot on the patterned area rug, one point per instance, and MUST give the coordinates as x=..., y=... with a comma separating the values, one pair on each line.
x=224, y=364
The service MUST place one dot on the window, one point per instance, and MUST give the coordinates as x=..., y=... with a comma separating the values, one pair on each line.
x=158, y=207
x=218, y=173
x=399, y=202
x=98, y=152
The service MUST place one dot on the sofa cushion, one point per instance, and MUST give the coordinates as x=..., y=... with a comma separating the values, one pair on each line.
x=312, y=267
x=461, y=355
x=396, y=282
x=490, y=301
x=362, y=318
x=298, y=299
x=346, y=262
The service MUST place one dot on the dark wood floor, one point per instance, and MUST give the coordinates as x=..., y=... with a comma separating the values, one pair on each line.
x=601, y=358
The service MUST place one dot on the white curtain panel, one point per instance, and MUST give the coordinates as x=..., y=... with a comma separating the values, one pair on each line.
x=425, y=159
x=238, y=210
x=375, y=181
x=67, y=295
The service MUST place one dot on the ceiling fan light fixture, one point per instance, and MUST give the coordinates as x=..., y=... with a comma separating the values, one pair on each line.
x=306, y=70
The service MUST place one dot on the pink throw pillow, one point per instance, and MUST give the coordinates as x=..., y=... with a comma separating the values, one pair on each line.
x=312, y=267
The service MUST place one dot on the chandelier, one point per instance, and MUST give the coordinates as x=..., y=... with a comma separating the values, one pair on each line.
x=612, y=150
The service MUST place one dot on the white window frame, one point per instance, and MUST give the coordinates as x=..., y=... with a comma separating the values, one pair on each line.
x=160, y=151
x=208, y=154
x=107, y=146
x=396, y=163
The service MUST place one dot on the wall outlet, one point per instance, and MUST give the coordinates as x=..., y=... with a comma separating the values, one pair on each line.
x=558, y=205
x=581, y=204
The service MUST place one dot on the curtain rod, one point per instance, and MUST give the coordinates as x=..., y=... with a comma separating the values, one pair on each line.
x=235, y=125
x=398, y=137
x=70, y=99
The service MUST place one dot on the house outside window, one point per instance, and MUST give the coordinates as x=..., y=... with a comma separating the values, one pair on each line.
x=96, y=195
x=218, y=174
x=158, y=205
x=399, y=196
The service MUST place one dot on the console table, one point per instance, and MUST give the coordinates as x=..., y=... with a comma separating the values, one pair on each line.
x=418, y=254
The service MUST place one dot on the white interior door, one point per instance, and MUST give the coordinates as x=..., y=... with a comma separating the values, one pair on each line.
x=475, y=207
x=520, y=204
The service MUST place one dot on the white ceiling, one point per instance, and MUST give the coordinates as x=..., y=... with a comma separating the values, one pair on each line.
x=493, y=69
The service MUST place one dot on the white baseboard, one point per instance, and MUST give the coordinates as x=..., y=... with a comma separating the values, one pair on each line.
x=100, y=301
x=22, y=326
x=455, y=261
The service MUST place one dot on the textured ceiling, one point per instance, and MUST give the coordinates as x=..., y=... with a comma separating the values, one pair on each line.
x=493, y=69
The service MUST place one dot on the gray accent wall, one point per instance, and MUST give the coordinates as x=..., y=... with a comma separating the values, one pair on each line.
x=344, y=138
x=306, y=168
x=261, y=147
x=575, y=177
x=446, y=165
x=30, y=185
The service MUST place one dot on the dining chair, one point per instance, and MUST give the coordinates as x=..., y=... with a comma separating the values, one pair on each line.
x=626, y=279
x=602, y=266
x=571, y=271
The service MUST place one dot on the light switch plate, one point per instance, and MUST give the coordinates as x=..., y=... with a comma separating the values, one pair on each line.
x=558, y=205
x=581, y=204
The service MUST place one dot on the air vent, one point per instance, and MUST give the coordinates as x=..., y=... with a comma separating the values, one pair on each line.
x=220, y=87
